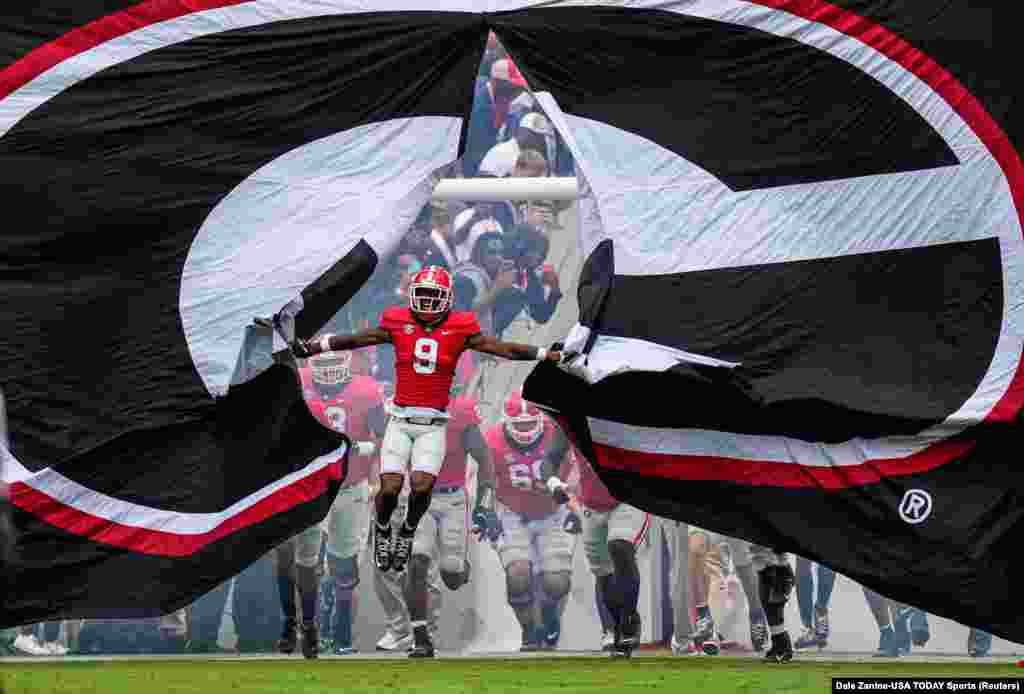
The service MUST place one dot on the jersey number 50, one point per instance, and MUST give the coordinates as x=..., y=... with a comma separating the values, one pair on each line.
x=424, y=356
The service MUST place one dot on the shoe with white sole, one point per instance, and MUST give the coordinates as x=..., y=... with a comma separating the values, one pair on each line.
x=28, y=644
x=392, y=641
x=55, y=648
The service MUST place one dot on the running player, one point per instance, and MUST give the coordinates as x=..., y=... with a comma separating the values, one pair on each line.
x=351, y=405
x=535, y=547
x=428, y=339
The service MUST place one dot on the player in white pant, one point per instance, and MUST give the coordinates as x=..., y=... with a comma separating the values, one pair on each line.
x=535, y=546
x=776, y=581
x=612, y=531
x=428, y=339
x=391, y=592
x=353, y=405
x=439, y=546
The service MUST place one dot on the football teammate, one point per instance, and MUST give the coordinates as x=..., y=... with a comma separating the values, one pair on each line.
x=428, y=338
x=775, y=579
x=351, y=405
x=442, y=532
x=535, y=546
x=611, y=533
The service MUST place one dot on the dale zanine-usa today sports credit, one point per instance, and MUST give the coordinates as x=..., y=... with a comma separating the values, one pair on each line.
x=926, y=684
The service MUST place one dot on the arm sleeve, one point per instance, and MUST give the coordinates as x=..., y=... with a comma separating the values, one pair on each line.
x=506, y=308
x=541, y=308
x=465, y=294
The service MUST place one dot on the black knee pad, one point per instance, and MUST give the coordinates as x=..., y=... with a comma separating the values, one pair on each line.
x=775, y=583
x=623, y=554
x=453, y=581
x=419, y=568
x=344, y=571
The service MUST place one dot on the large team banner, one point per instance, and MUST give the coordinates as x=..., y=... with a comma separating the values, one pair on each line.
x=801, y=227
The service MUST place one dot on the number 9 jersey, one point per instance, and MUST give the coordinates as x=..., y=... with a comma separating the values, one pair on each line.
x=426, y=356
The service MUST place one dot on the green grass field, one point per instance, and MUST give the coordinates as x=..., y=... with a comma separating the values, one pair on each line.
x=447, y=676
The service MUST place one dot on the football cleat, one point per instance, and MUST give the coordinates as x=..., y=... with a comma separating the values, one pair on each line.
x=422, y=646
x=289, y=637
x=343, y=650
x=310, y=641
x=759, y=636
x=781, y=650
x=402, y=550
x=704, y=637
x=391, y=641
x=382, y=547
x=627, y=634
x=607, y=640
x=28, y=644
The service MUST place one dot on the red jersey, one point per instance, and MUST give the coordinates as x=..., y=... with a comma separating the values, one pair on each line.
x=593, y=494
x=465, y=413
x=519, y=473
x=347, y=413
x=425, y=358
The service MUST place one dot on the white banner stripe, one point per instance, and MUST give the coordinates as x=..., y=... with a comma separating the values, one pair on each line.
x=75, y=496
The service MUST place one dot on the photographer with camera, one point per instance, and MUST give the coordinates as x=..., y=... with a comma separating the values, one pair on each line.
x=536, y=287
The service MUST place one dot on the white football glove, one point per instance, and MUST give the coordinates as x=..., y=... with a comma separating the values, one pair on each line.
x=557, y=488
x=556, y=485
x=365, y=448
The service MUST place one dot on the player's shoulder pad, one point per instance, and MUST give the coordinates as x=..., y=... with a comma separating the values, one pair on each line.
x=396, y=315
x=464, y=320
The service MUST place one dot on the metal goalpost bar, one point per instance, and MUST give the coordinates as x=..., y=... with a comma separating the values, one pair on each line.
x=499, y=189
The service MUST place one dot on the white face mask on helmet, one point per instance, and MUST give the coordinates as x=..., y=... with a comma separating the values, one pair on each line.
x=331, y=369
x=523, y=422
x=430, y=292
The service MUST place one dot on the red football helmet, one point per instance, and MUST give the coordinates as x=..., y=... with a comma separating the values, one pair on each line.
x=430, y=293
x=331, y=369
x=523, y=421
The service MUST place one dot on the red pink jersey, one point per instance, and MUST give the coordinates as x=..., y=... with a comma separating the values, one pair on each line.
x=464, y=414
x=347, y=413
x=519, y=473
x=592, y=492
x=425, y=358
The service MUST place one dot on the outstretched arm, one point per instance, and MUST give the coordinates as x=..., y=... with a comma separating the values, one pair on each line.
x=340, y=343
x=511, y=350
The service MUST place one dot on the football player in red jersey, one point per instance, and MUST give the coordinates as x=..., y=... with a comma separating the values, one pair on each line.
x=443, y=531
x=428, y=338
x=612, y=531
x=535, y=546
x=351, y=405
